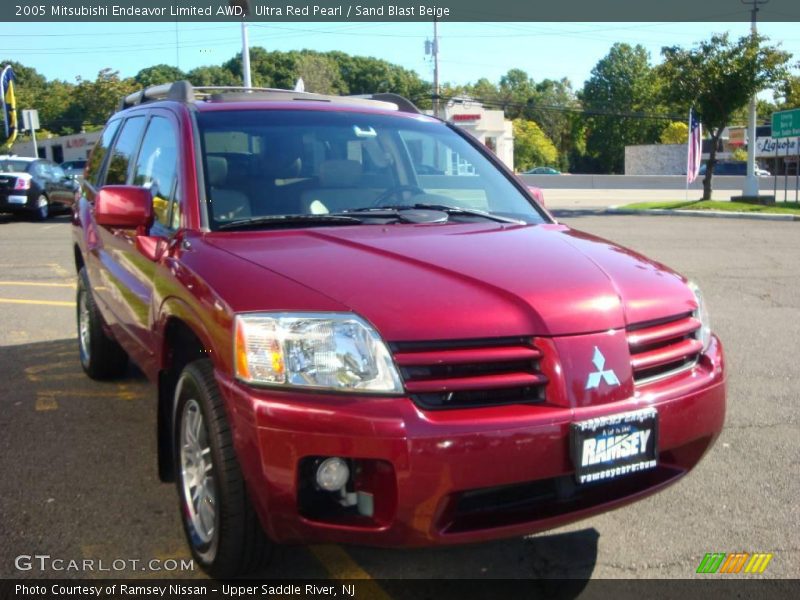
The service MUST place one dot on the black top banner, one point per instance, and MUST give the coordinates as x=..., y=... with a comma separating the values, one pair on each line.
x=399, y=10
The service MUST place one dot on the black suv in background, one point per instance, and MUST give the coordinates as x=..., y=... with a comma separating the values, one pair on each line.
x=34, y=186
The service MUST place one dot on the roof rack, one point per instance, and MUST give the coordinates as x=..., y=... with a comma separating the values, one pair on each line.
x=183, y=91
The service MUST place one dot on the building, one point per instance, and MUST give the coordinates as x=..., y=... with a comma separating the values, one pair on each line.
x=59, y=148
x=776, y=156
x=489, y=126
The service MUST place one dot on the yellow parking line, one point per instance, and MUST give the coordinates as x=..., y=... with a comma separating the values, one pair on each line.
x=39, y=284
x=59, y=270
x=41, y=302
x=341, y=566
x=45, y=402
x=33, y=372
x=121, y=394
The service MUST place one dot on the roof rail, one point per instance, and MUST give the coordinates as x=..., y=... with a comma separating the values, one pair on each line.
x=183, y=91
x=403, y=104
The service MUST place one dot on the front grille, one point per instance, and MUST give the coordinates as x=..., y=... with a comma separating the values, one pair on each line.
x=471, y=373
x=664, y=347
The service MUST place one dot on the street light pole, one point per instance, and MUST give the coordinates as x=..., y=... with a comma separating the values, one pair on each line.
x=751, y=181
x=244, y=7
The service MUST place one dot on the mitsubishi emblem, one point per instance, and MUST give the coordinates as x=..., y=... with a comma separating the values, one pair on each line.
x=608, y=376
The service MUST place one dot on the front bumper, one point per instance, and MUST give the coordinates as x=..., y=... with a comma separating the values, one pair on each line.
x=458, y=475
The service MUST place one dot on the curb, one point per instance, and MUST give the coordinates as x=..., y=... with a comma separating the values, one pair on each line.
x=718, y=214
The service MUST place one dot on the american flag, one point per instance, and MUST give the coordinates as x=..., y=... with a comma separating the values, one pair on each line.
x=695, y=151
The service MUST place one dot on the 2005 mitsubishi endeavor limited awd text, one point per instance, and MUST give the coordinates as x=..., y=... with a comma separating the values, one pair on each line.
x=364, y=328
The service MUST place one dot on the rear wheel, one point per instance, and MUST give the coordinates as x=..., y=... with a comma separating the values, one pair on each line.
x=42, y=212
x=220, y=523
x=101, y=357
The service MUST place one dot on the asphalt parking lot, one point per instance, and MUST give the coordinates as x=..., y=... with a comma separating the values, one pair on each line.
x=78, y=463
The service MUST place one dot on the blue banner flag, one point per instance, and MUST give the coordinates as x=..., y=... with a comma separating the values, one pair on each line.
x=9, y=106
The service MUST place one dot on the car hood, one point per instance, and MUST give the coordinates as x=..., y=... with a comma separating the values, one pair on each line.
x=460, y=281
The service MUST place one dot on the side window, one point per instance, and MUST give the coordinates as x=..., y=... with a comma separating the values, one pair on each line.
x=40, y=170
x=123, y=152
x=157, y=166
x=99, y=152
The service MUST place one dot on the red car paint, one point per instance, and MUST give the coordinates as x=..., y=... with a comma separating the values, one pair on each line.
x=560, y=291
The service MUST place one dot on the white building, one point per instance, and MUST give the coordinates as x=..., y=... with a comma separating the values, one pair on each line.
x=59, y=148
x=489, y=126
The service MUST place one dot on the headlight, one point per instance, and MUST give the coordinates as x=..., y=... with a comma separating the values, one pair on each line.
x=701, y=314
x=332, y=351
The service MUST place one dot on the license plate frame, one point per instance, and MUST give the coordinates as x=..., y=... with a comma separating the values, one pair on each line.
x=608, y=447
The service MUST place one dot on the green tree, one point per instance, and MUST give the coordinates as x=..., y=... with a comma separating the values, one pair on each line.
x=531, y=146
x=516, y=89
x=158, y=74
x=787, y=94
x=483, y=90
x=553, y=107
x=718, y=77
x=676, y=132
x=212, y=75
x=93, y=102
x=739, y=154
x=320, y=74
x=621, y=84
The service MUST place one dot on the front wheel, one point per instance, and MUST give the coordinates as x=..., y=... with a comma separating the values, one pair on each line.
x=220, y=523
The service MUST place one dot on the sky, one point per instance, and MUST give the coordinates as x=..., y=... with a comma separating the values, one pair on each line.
x=468, y=51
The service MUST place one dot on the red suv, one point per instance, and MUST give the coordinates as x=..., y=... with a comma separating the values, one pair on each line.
x=350, y=348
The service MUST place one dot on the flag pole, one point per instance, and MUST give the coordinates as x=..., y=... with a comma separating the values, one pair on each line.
x=3, y=97
x=688, y=155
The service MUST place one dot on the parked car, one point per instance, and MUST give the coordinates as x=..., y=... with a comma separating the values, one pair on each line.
x=74, y=168
x=343, y=355
x=542, y=171
x=733, y=168
x=34, y=186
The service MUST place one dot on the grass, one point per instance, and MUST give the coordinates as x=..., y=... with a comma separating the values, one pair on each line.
x=783, y=208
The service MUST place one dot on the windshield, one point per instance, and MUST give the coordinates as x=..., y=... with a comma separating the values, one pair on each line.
x=263, y=163
x=14, y=166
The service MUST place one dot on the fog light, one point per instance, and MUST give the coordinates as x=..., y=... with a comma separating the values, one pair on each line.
x=332, y=474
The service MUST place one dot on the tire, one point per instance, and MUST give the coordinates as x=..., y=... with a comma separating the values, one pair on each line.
x=225, y=536
x=101, y=356
x=42, y=211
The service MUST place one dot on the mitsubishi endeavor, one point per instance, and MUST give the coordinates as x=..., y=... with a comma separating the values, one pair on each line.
x=350, y=349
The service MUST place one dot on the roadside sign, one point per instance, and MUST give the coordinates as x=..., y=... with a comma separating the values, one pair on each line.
x=30, y=119
x=786, y=123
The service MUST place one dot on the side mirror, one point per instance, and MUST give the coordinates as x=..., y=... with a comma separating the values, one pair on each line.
x=537, y=194
x=124, y=206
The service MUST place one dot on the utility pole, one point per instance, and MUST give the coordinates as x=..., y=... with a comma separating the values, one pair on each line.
x=751, y=181
x=435, y=52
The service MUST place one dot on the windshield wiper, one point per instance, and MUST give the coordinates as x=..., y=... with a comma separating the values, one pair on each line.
x=290, y=221
x=450, y=210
